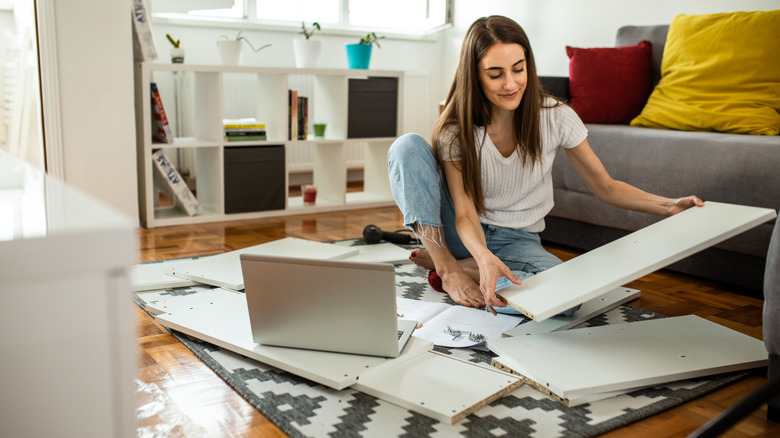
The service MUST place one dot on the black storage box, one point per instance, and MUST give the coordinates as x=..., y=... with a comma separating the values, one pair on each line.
x=254, y=178
x=372, y=108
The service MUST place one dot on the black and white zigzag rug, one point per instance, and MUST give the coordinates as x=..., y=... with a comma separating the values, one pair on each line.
x=302, y=408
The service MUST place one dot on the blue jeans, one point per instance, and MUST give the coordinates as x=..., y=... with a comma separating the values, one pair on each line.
x=421, y=194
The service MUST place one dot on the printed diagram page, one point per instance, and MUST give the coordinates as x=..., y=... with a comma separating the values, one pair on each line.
x=441, y=323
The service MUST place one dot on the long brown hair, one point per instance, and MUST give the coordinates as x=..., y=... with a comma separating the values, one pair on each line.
x=467, y=106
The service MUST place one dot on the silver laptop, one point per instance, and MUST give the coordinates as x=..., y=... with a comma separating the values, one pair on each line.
x=329, y=305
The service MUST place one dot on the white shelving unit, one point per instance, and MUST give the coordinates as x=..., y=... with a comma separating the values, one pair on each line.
x=207, y=106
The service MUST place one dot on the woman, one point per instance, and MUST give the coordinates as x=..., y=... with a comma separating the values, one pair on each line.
x=478, y=198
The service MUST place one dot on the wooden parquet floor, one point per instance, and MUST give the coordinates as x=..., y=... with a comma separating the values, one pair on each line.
x=191, y=400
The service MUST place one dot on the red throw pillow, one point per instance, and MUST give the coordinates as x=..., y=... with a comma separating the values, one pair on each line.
x=610, y=85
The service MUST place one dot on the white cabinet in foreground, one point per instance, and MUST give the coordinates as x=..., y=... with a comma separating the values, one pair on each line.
x=67, y=338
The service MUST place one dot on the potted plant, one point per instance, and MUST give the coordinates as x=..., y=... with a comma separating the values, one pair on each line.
x=359, y=55
x=177, y=53
x=230, y=49
x=307, y=50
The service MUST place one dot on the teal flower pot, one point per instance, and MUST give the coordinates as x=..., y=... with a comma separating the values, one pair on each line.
x=358, y=55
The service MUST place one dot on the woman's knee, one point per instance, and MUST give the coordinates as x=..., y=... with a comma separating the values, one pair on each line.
x=409, y=146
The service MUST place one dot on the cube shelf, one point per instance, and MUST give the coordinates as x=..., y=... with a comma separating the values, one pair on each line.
x=362, y=110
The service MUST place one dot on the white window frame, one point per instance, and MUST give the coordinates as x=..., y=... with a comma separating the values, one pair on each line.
x=342, y=28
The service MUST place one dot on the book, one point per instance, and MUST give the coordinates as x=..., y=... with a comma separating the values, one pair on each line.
x=161, y=129
x=240, y=132
x=245, y=123
x=246, y=138
x=298, y=117
x=292, y=122
x=303, y=115
x=174, y=182
x=143, y=43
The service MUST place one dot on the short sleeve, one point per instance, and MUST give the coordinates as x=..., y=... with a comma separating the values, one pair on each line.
x=569, y=130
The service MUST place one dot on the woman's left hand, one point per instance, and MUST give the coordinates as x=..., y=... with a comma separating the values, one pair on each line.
x=682, y=204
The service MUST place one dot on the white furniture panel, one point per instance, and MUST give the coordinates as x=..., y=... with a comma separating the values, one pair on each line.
x=511, y=366
x=150, y=276
x=591, y=274
x=224, y=270
x=224, y=322
x=615, y=357
x=67, y=338
x=593, y=307
x=419, y=380
x=438, y=386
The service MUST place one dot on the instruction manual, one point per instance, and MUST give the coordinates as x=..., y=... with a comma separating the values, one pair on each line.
x=455, y=326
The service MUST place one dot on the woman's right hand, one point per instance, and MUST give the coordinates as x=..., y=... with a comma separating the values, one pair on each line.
x=491, y=268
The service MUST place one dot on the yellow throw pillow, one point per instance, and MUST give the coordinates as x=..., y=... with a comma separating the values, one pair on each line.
x=720, y=72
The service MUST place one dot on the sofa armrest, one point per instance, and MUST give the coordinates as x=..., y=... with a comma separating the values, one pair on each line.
x=772, y=294
x=772, y=316
x=557, y=86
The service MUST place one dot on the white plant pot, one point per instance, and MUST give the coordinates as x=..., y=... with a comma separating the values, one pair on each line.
x=307, y=52
x=230, y=51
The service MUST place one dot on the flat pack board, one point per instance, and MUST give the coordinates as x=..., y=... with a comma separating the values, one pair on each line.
x=170, y=301
x=380, y=253
x=581, y=362
x=593, y=307
x=223, y=320
x=591, y=274
x=418, y=380
x=440, y=387
x=150, y=276
x=224, y=270
x=510, y=366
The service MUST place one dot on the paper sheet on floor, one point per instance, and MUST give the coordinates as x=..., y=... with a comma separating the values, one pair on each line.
x=436, y=317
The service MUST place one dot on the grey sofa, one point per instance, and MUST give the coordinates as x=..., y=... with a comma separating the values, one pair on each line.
x=739, y=169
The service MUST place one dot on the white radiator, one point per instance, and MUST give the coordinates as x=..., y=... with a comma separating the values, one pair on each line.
x=420, y=109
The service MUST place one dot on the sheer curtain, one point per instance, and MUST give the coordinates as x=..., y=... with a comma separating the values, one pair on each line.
x=20, y=105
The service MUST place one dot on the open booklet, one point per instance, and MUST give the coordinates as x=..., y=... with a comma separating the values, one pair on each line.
x=455, y=326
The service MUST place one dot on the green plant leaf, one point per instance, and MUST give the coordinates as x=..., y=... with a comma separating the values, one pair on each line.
x=175, y=43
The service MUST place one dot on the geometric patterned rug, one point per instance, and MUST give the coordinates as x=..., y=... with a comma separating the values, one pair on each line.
x=302, y=408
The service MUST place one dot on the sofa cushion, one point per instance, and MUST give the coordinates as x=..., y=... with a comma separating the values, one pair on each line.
x=630, y=35
x=720, y=72
x=609, y=85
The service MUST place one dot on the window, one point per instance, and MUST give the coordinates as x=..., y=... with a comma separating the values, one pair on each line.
x=410, y=17
x=323, y=11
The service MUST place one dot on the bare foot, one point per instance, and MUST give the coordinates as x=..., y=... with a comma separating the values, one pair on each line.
x=422, y=258
x=463, y=290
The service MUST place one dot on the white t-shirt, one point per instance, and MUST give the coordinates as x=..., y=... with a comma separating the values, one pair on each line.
x=518, y=196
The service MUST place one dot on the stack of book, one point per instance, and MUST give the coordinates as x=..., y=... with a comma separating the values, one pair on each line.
x=298, y=121
x=247, y=129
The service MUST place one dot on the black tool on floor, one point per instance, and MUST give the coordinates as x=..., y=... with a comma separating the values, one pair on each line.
x=373, y=234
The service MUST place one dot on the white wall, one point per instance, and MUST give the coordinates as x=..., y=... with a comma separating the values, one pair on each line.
x=94, y=50
x=201, y=48
x=551, y=25
x=96, y=83
x=411, y=55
